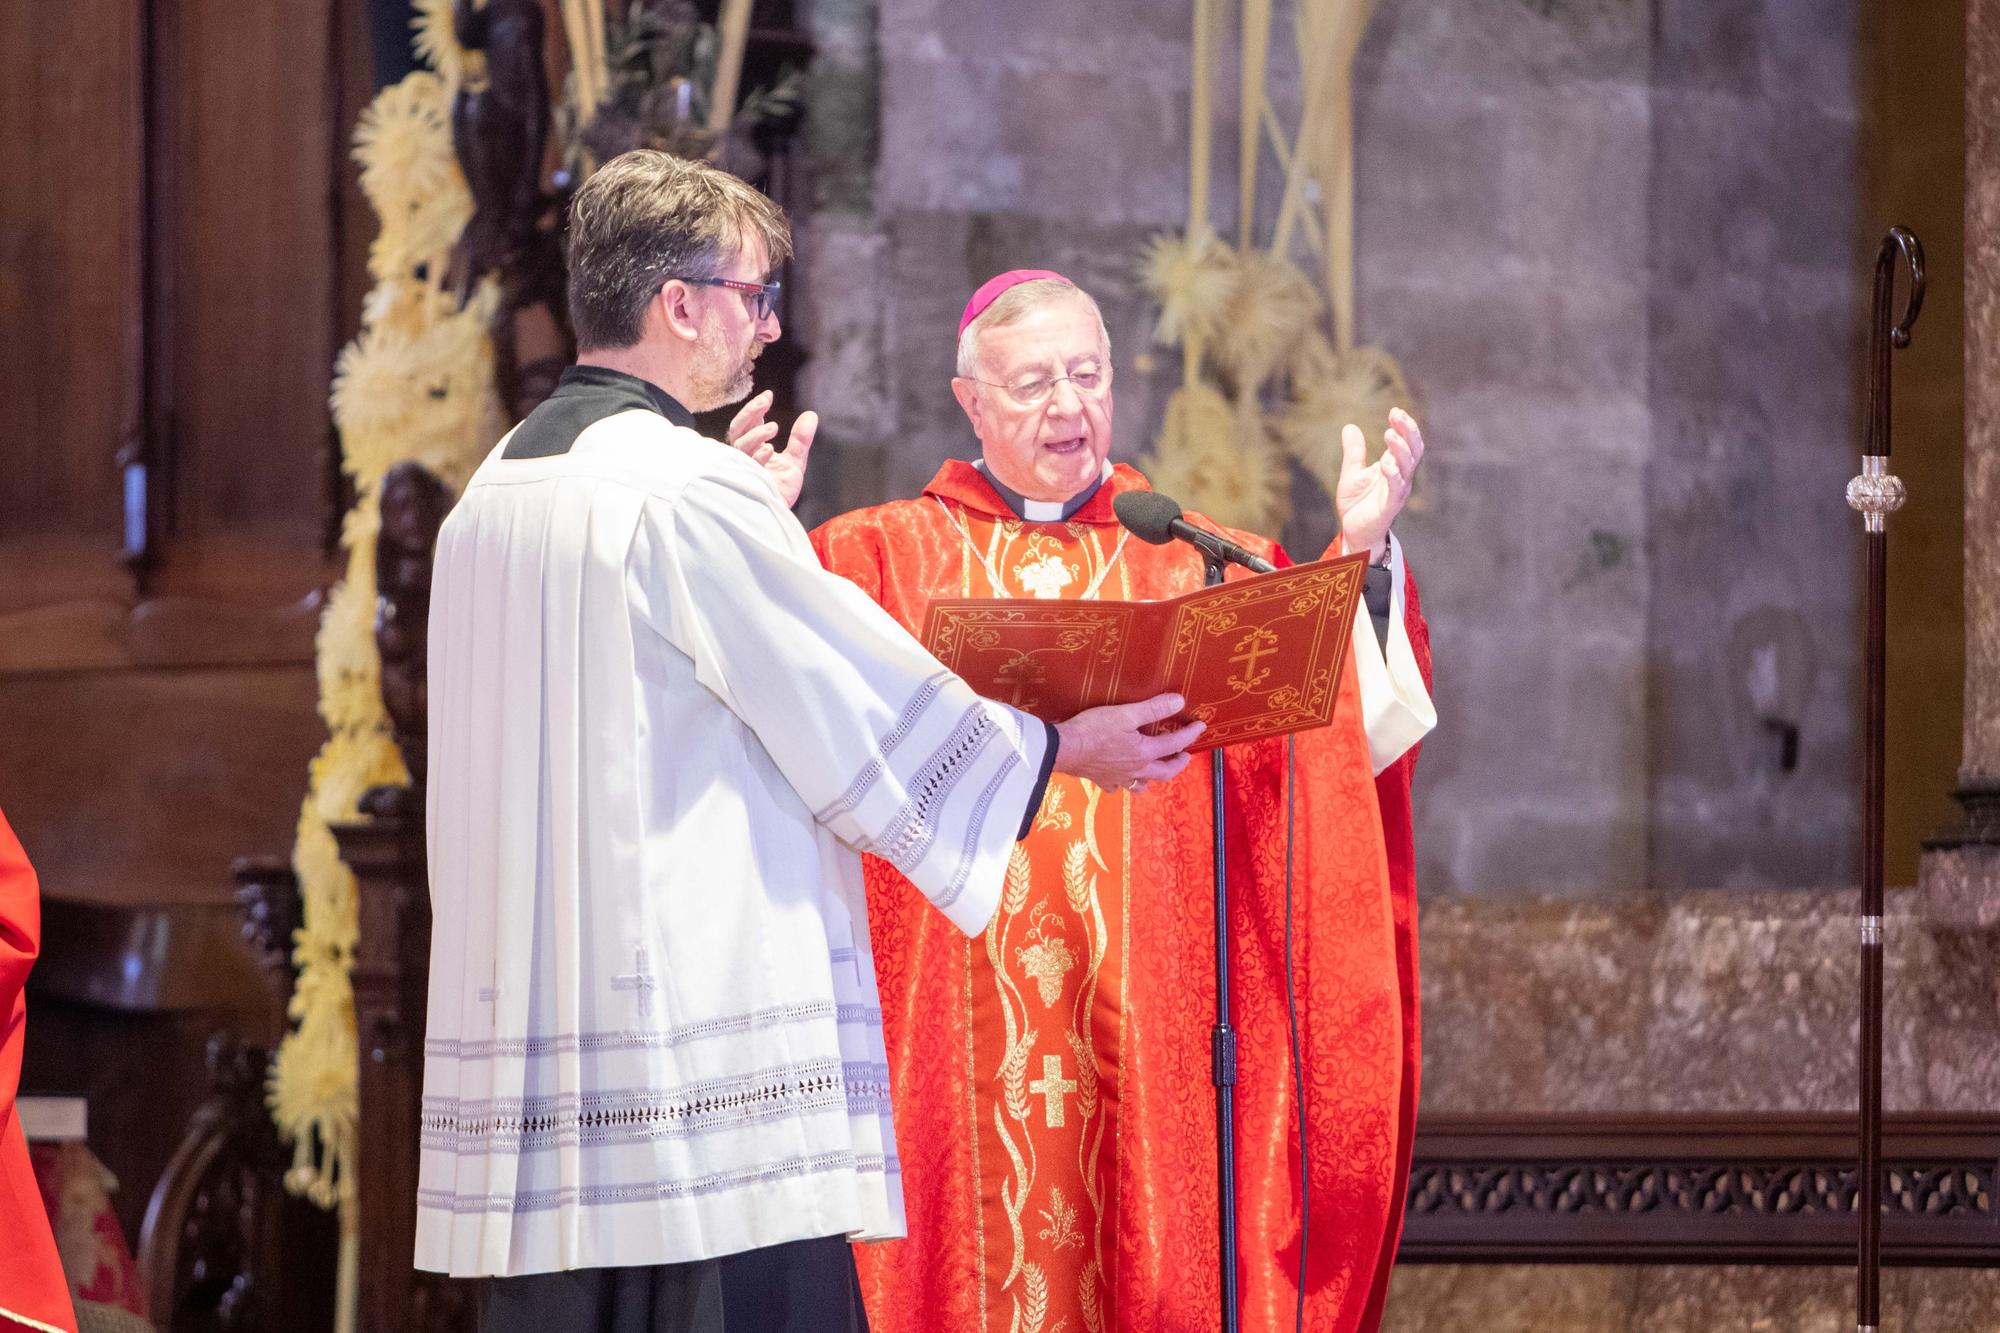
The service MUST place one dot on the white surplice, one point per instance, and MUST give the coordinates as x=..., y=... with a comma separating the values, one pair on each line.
x=1396, y=708
x=659, y=735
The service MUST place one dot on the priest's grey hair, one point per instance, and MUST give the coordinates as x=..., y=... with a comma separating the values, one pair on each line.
x=647, y=216
x=1013, y=305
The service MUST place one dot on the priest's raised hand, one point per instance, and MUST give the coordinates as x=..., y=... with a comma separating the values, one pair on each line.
x=751, y=434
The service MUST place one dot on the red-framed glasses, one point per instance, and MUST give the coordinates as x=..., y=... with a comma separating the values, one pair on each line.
x=765, y=292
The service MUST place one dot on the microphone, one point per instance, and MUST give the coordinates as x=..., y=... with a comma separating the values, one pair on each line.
x=1156, y=518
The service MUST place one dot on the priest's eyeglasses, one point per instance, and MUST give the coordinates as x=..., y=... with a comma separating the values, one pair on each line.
x=1088, y=381
x=766, y=292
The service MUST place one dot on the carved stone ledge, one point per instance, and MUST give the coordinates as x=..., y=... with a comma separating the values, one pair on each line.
x=1979, y=801
x=1670, y=1189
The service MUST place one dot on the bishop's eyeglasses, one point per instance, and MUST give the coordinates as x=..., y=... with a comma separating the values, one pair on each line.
x=1087, y=380
x=765, y=292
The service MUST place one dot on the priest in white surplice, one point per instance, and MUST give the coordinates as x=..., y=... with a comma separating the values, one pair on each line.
x=660, y=735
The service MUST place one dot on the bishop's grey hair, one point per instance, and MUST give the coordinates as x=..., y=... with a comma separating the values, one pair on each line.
x=646, y=216
x=1012, y=306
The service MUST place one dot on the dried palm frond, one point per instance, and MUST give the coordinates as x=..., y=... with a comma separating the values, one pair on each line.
x=416, y=382
x=1220, y=460
x=397, y=301
x=1328, y=393
x=1191, y=277
x=373, y=394
x=1270, y=308
x=1198, y=421
x=436, y=41
x=1312, y=357
x=421, y=237
x=403, y=143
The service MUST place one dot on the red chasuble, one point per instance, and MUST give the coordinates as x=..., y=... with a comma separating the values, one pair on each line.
x=1051, y=1078
x=1392, y=789
x=33, y=1292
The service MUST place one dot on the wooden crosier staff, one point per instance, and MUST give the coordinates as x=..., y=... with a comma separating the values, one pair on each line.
x=1875, y=494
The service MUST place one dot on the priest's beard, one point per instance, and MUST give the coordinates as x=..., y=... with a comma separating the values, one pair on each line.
x=718, y=378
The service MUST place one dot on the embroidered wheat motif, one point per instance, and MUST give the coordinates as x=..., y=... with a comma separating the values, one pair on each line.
x=1086, y=1076
x=1076, y=877
x=1087, y=1299
x=1035, y=1298
x=1053, y=815
x=1060, y=1215
x=1014, y=1076
x=1019, y=876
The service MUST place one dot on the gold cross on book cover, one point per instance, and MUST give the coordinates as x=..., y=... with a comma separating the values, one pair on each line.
x=1255, y=657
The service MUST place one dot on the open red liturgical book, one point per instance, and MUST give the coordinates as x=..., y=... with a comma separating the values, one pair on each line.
x=1255, y=657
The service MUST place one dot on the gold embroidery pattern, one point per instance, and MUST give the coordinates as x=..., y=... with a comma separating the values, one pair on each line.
x=1035, y=1311
x=1067, y=1096
x=1013, y=1071
x=1060, y=1215
x=1080, y=887
x=1034, y=940
x=1087, y=1298
x=1048, y=962
x=1042, y=571
x=1053, y=815
x=1052, y=1088
x=1040, y=551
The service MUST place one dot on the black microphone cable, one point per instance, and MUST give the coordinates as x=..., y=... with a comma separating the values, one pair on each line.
x=1292, y=1016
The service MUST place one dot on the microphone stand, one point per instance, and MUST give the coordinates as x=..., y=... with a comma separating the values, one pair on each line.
x=1155, y=518
x=1222, y=1040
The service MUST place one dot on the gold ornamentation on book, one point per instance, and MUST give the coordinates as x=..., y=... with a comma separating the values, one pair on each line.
x=1251, y=650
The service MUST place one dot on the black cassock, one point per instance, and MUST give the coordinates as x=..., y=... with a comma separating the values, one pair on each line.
x=806, y=1286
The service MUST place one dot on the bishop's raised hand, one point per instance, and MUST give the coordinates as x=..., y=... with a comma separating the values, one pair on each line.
x=1370, y=495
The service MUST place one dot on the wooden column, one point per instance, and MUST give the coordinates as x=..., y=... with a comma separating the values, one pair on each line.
x=392, y=962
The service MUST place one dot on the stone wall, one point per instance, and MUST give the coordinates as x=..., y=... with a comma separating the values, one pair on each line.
x=1704, y=1003
x=1504, y=168
x=1643, y=1299
x=1755, y=314
x=1613, y=243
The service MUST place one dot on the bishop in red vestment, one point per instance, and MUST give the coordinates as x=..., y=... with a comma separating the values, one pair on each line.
x=33, y=1291
x=1051, y=1079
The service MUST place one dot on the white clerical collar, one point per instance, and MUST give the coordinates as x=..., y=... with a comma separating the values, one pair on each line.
x=1042, y=511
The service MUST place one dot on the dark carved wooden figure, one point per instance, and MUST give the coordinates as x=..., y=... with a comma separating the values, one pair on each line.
x=500, y=129
x=499, y=125
x=414, y=503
